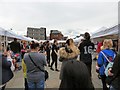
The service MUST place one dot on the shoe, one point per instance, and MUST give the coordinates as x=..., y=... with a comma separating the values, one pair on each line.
x=20, y=67
x=52, y=69
x=57, y=70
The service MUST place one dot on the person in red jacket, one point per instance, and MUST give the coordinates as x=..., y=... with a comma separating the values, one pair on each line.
x=99, y=47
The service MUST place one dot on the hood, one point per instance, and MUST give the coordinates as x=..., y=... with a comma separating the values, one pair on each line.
x=66, y=55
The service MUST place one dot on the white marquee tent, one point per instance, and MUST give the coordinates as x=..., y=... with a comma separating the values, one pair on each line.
x=7, y=33
x=11, y=34
x=110, y=31
x=78, y=39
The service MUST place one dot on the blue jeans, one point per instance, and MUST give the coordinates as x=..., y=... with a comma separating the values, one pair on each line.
x=36, y=85
x=112, y=88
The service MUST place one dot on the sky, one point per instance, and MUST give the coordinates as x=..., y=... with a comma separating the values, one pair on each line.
x=71, y=17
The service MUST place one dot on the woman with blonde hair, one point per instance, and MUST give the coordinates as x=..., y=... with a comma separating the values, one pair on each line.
x=69, y=52
x=106, y=54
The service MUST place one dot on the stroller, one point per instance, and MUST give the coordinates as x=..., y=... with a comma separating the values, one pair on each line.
x=16, y=59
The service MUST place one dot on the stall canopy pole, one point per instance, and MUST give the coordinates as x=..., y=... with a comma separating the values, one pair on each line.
x=119, y=27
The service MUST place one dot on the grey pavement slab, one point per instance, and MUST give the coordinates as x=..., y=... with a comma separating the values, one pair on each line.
x=52, y=82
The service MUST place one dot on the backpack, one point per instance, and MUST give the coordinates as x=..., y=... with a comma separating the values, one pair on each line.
x=110, y=63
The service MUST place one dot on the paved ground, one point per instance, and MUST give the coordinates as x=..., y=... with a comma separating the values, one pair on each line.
x=52, y=82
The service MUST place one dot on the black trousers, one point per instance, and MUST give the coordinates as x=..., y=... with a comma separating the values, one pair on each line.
x=26, y=84
x=48, y=59
x=89, y=67
x=54, y=60
x=103, y=79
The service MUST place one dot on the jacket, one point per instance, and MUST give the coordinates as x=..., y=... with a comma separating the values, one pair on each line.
x=24, y=69
x=5, y=65
x=33, y=73
x=15, y=47
x=86, y=48
x=102, y=61
x=116, y=73
x=65, y=56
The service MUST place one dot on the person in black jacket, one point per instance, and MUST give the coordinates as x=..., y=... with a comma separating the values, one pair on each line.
x=6, y=74
x=54, y=55
x=15, y=46
x=86, y=47
x=48, y=48
x=16, y=49
x=115, y=73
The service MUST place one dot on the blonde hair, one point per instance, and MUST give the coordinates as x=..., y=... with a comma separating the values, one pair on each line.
x=107, y=43
x=70, y=42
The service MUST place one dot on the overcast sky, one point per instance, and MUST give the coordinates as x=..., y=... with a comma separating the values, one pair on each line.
x=71, y=17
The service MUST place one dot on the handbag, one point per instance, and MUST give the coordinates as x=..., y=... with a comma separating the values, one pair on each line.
x=45, y=71
x=12, y=65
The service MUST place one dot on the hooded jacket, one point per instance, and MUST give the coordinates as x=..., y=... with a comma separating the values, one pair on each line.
x=67, y=53
x=102, y=61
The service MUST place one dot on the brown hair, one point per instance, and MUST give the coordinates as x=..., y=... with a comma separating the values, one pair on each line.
x=55, y=40
x=87, y=36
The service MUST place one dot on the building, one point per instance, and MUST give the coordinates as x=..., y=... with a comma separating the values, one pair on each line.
x=65, y=37
x=55, y=34
x=37, y=33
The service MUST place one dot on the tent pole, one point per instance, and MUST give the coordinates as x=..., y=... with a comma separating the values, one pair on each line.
x=119, y=38
x=119, y=27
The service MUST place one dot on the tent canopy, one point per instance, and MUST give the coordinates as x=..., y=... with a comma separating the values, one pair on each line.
x=78, y=39
x=11, y=34
x=110, y=31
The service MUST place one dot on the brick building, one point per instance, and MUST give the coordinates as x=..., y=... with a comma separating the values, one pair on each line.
x=37, y=33
x=55, y=34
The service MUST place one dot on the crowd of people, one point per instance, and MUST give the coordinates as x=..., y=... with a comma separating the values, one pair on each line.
x=74, y=73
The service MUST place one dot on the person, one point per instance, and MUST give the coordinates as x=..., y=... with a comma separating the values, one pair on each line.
x=99, y=46
x=69, y=52
x=54, y=55
x=114, y=72
x=98, y=49
x=42, y=47
x=5, y=67
x=102, y=61
x=48, y=52
x=86, y=48
x=23, y=49
x=75, y=77
x=115, y=45
x=15, y=47
x=25, y=73
x=35, y=76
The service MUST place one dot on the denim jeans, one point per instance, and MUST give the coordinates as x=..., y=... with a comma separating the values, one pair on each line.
x=36, y=85
x=112, y=88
